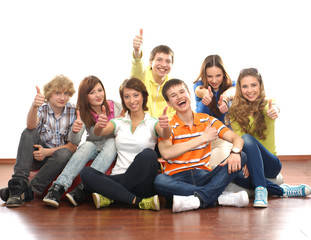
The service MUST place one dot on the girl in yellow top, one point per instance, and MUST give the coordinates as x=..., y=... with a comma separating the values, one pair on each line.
x=253, y=118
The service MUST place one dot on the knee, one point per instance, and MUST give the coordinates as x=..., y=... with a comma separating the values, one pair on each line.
x=29, y=133
x=249, y=140
x=159, y=180
x=87, y=146
x=149, y=155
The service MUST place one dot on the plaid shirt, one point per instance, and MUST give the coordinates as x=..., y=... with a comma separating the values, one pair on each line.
x=54, y=132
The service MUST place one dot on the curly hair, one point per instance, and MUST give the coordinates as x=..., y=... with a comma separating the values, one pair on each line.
x=85, y=87
x=214, y=61
x=241, y=108
x=58, y=83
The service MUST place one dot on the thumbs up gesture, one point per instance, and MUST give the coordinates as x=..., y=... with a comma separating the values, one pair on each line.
x=163, y=119
x=39, y=99
x=102, y=118
x=273, y=111
x=210, y=133
x=137, y=43
x=223, y=105
x=78, y=124
x=206, y=100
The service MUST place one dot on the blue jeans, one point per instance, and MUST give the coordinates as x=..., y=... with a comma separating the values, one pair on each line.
x=86, y=152
x=50, y=167
x=207, y=185
x=261, y=165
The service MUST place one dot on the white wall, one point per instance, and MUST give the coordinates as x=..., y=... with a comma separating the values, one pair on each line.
x=40, y=39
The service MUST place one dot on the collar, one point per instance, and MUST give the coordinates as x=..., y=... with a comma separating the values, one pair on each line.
x=127, y=117
x=196, y=119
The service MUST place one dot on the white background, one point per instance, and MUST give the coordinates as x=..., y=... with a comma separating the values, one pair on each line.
x=40, y=39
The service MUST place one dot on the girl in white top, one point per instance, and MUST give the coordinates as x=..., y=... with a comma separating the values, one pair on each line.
x=137, y=164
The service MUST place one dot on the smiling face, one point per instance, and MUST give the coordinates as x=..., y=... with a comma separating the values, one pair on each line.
x=58, y=100
x=214, y=77
x=179, y=98
x=96, y=96
x=250, y=88
x=161, y=66
x=133, y=99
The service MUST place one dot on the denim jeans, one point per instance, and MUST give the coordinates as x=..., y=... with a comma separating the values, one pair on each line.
x=207, y=185
x=86, y=152
x=261, y=165
x=50, y=167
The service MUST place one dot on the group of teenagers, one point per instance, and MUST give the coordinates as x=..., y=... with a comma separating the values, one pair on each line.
x=228, y=138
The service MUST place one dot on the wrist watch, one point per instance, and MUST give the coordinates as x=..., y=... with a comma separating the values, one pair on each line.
x=236, y=150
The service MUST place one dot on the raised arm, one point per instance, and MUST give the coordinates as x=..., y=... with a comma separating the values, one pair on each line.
x=32, y=117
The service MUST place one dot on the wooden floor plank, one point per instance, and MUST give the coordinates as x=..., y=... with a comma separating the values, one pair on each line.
x=284, y=218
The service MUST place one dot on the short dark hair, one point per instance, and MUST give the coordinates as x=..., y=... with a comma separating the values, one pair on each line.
x=136, y=84
x=161, y=49
x=171, y=83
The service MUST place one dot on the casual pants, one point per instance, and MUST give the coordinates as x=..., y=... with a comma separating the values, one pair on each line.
x=261, y=165
x=86, y=152
x=207, y=185
x=136, y=181
x=50, y=167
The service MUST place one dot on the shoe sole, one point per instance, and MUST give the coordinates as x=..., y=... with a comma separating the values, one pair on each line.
x=51, y=203
x=14, y=205
x=71, y=200
x=96, y=200
x=260, y=205
x=156, y=202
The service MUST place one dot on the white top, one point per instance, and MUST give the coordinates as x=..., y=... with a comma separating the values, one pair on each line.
x=129, y=143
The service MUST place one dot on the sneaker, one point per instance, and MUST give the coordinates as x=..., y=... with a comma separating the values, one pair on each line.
x=4, y=194
x=77, y=195
x=152, y=203
x=301, y=190
x=185, y=203
x=101, y=201
x=238, y=199
x=54, y=194
x=261, y=197
x=17, y=188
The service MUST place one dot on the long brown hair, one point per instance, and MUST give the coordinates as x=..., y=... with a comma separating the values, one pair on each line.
x=241, y=108
x=85, y=87
x=214, y=61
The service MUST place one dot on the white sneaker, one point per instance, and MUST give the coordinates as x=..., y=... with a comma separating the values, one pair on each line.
x=185, y=203
x=239, y=199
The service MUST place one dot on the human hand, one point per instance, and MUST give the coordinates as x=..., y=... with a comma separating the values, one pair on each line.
x=78, y=124
x=210, y=133
x=39, y=154
x=222, y=105
x=272, y=112
x=234, y=163
x=102, y=118
x=138, y=42
x=163, y=119
x=207, y=98
x=245, y=172
x=39, y=99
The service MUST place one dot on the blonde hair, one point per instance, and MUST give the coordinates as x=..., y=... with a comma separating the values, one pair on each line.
x=241, y=108
x=58, y=83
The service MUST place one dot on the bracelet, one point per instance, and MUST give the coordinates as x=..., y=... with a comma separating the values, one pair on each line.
x=225, y=101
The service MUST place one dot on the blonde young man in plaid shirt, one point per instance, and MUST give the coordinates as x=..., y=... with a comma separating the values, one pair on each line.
x=43, y=144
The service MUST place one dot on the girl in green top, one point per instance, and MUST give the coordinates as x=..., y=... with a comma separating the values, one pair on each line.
x=252, y=116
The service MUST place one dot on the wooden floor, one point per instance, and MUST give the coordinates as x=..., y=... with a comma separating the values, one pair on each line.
x=285, y=218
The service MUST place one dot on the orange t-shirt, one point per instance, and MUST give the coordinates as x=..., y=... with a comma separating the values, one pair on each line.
x=198, y=157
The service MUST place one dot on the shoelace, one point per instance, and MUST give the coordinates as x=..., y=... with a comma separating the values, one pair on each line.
x=260, y=194
x=293, y=191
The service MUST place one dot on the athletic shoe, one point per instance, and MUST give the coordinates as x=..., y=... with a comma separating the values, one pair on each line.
x=101, y=201
x=5, y=194
x=301, y=190
x=152, y=203
x=17, y=188
x=238, y=199
x=185, y=203
x=77, y=195
x=261, y=197
x=54, y=194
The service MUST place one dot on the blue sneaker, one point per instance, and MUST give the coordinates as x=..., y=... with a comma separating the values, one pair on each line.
x=301, y=190
x=261, y=197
